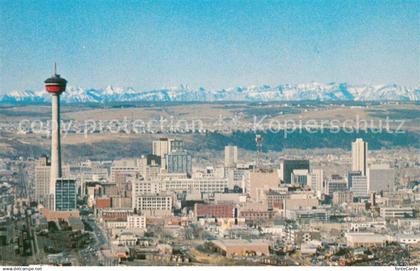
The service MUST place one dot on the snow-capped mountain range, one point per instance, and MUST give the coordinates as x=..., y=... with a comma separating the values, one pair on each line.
x=285, y=92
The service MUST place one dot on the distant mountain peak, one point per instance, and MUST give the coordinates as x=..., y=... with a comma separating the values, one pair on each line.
x=182, y=93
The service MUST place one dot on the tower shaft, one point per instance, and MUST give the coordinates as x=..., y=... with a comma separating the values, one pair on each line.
x=56, y=170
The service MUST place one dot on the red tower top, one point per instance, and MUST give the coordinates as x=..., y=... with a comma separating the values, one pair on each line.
x=55, y=84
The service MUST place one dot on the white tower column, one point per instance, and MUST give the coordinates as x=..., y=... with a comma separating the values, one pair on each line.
x=56, y=171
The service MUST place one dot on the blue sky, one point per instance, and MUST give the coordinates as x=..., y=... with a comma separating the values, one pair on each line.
x=214, y=44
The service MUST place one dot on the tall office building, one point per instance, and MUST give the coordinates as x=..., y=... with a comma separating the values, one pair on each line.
x=381, y=178
x=43, y=188
x=179, y=162
x=300, y=177
x=65, y=194
x=42, y=180
x=359, y=187
x=317, y=180
x=350, y=176
x=231, y=156
x=359, y=150
x=173, y=157
x=287, y=167
x=161, y=147
x=165, y=146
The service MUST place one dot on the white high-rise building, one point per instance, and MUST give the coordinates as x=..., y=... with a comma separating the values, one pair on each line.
x=161, y=147
x=316, y=180
x=231, y=156
x=359, y=150
x=42, y=180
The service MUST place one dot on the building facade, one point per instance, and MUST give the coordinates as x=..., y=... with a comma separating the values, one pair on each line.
x=397, y=212
x=381, y=178
x=359, y=150
x=287, y=167
x=359, y=187
x=153, y=205
x=136, y=222
x=65, y=194
x=231, y=156
x=179, y=162
x=42, y=180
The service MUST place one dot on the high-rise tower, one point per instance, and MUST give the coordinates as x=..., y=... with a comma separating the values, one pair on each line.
x=258, y=142
x=231, y=156
x=359, y=150
x=55, y=85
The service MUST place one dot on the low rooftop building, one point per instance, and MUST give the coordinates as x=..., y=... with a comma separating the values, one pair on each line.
x=365, y=239
x=233, y=247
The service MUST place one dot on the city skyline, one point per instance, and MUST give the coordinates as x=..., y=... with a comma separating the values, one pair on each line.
x=174, y=203
x=233, y=133
x=211, y=44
